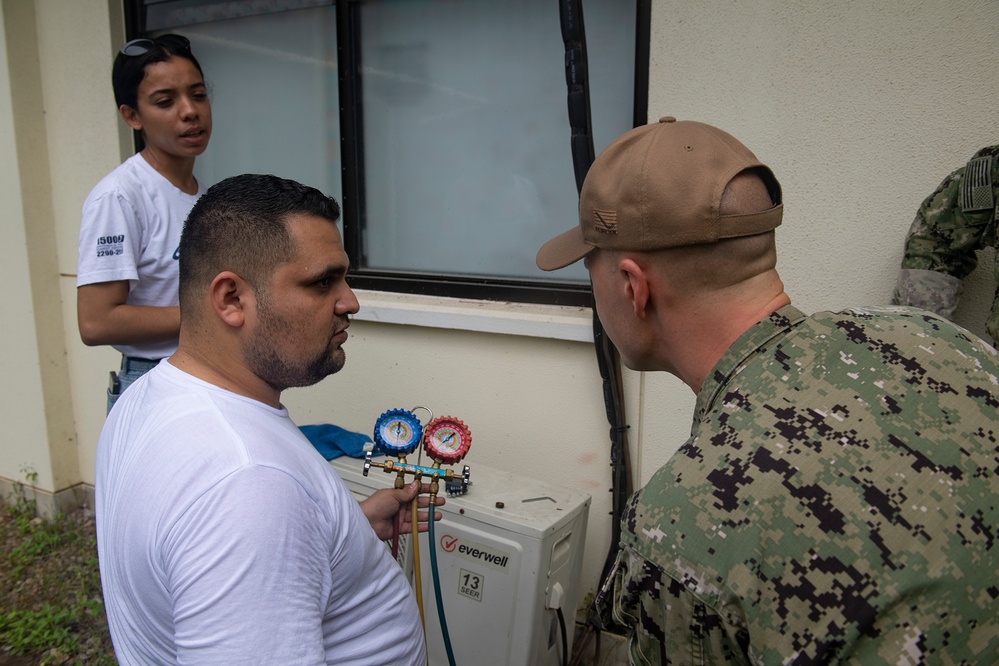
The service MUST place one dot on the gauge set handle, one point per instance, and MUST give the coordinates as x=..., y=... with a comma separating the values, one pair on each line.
x=419, y=470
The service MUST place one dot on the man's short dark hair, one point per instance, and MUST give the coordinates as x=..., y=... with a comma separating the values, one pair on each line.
x=238, y=225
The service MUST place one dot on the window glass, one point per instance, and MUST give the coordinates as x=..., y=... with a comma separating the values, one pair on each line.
x=272, y=79
x=467, y=159
x=462, y=136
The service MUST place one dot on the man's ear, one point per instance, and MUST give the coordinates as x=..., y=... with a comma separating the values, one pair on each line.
x=131, y=117
x=636, y=285
x=231, y=296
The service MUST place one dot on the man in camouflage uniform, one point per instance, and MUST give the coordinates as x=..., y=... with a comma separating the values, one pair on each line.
x=837, y=500
x=954, y=222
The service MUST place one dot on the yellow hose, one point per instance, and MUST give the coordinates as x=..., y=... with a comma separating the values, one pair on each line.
x=418, y=583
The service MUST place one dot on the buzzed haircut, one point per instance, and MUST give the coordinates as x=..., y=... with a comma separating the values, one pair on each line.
x=239, y=225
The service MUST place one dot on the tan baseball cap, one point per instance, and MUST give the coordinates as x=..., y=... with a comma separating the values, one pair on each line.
x=660, y=186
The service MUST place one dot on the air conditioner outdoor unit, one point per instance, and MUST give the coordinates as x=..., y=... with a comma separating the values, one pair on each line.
x=509, y=551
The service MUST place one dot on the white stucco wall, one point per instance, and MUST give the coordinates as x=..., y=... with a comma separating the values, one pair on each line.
x=861, y=108
x=23, y=443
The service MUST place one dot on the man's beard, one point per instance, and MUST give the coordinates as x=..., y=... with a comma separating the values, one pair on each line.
x=279, y=373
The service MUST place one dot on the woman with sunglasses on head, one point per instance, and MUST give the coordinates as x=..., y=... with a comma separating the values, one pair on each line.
x=127, y=271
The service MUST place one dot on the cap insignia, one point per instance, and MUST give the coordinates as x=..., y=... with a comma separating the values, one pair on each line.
x=605, y=221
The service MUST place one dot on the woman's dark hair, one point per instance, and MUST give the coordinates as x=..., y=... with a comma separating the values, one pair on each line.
x=130, y=64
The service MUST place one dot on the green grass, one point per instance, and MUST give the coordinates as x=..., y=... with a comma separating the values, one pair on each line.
x=51, y=608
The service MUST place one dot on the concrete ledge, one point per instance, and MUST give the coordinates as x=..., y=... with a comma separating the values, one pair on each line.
x=542, y=321
x=48, y=504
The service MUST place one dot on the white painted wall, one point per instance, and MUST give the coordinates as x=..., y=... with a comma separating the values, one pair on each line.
x=861, y=108
x=24, y=442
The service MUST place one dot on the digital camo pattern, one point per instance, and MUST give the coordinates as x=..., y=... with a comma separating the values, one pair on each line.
x=837, y=502
x=949, y=228
x=929, y=290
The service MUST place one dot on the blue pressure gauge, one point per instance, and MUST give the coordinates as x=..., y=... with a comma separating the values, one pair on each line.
x=398, y=431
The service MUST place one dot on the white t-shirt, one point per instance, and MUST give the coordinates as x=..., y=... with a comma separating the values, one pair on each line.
x=131, y=227
x=225, y=538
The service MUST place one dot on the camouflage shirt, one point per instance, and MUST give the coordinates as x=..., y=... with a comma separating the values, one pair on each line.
x=837, y=502
x=955, y=221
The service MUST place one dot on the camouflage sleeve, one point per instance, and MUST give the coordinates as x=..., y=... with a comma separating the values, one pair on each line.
x=668, y=623
x=929, y=290
x=944, y=236
x=955, y=221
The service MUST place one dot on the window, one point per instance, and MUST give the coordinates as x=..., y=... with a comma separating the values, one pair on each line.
x=440, y=125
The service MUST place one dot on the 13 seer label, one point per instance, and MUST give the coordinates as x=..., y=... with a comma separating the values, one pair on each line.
x=470, y=584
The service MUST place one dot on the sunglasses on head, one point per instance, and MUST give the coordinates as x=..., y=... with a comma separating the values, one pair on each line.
x=143, y=45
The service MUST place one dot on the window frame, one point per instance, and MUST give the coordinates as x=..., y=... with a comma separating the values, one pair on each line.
x=351, y=118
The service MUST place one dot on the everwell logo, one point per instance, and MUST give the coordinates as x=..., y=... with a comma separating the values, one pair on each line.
x=475, y=552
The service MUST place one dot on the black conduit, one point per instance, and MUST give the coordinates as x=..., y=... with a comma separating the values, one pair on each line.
x=608, y=360
x=577, y=80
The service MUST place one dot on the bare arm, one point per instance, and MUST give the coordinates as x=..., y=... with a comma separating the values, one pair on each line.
x=105, y=319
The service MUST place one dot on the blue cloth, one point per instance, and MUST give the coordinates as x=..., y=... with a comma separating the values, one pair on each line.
x=332, y=441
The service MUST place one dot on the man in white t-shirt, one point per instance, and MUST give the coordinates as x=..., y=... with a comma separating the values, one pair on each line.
x=223, y=536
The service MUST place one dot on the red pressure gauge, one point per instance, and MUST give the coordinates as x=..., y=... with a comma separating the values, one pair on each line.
x=446, y=439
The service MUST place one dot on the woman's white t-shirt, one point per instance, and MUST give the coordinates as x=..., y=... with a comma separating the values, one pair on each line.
x=132, y=221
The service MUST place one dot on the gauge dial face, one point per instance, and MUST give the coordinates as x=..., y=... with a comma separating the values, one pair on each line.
x=398, y=431
x=447, y=439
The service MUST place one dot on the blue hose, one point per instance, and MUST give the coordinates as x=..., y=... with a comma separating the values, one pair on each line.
x=437, y=586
